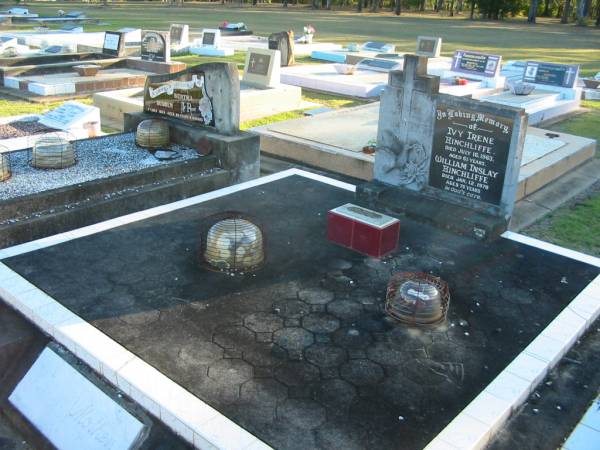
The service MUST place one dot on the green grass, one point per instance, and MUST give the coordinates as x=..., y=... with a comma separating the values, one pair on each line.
x=513, y=39
x=586, y=124
x=576, y=227
x=13, y=107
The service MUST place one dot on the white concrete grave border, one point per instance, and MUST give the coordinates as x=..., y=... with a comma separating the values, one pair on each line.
x=205, y=427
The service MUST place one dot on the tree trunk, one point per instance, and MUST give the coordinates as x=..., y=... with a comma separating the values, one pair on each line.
x=472, y=13
x=533, y=7
x=546, y=12
x=566, y=12
x=359, y=6
x=581, y=15
x=397, y=7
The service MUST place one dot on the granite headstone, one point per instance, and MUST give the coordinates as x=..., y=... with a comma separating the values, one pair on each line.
x=114, y=43
x=262, y=67
x=551, y=74
x=156, y=46
x=284, y=42
x=476, y=63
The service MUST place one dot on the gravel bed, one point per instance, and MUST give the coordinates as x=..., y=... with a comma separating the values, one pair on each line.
x=96, y=158
x=22, y=128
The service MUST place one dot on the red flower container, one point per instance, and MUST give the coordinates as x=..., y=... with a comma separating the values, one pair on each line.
x=365, y=231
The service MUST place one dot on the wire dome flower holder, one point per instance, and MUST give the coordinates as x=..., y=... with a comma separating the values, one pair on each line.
x=232, y=242
x=5, y=172
x=417, y=299
x=153, y=134
x=53, y=151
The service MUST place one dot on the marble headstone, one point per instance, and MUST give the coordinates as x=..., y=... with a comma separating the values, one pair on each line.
x=206, y=95
x=449, y=149
x=262, y=67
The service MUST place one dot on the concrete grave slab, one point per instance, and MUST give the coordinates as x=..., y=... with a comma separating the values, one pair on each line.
x=250, y=331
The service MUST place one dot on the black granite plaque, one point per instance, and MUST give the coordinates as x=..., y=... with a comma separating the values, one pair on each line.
x=155, y=46
x=182, y=95
x=258, y=64
x=470, y=153
x=208, y=39
x=562, y=75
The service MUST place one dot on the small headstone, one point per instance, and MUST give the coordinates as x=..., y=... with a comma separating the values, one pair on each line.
x=475, y=63
x=156, y=46
x=560, y=75
x=262, y=67
x=114, y=43
x=180, y=35
x=211, y=38
x=449, y=149
x=284, y=42
x=206, y=94
x=70, y=411
x=429, y=46
x=72, y=116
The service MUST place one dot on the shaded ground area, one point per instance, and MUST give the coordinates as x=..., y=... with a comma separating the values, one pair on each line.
x=301, y=353
x=554, y=409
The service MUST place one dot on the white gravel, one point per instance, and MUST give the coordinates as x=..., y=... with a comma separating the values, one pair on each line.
x=96, y=158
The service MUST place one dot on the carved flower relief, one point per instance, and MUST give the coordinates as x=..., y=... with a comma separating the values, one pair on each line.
x=405, y=164
x=205, y=107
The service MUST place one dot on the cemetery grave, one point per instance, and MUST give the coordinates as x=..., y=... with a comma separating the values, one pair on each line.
x=300, y=353
x=335, y=141
x=210, y=44
x=261, y=93
x=546, y=91
x=73, y=75
x=192, y=144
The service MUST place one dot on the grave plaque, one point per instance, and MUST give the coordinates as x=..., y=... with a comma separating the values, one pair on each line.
x=208, y=38
x=70, y=411
x=475, y=63
x=429, y=46
x=113, y=43
x=561, y=75
x=451, y=160
x=182, y=95
x=259, y=64
x=71, y=115
x=155, y=46
x=469, y=153
x=378, y=65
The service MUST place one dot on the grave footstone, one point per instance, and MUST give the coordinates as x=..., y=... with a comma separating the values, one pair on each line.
x=444, y=159
x=284, y=42
x=156, y=46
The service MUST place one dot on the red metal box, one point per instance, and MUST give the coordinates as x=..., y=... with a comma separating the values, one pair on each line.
x=363, y=230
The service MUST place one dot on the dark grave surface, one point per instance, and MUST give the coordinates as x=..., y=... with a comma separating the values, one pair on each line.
x=22, y=128
x=301, y=353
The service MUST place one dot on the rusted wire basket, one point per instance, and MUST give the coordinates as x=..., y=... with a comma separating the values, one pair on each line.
x=417, y=299
x=232, y=242
x=153, y=134
x=5, y=172
x=53, y=152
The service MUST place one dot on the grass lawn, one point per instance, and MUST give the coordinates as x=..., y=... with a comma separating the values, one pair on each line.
x=513, y=39
x=587, y=124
